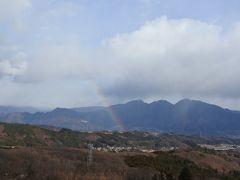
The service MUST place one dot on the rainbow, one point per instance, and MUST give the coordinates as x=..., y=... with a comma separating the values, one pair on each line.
x=110, y=111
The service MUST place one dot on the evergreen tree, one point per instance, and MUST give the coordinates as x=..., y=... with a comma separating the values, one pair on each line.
x=185, y=174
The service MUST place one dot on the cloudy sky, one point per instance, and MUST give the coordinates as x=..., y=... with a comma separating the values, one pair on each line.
x=66, y=53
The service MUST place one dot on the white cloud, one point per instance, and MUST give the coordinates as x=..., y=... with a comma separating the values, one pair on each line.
x=13, y=10
x=14, y=66
x=54, y=62
x=161, y=36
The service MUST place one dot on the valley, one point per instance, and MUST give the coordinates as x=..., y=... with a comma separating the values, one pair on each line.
x=32, y=152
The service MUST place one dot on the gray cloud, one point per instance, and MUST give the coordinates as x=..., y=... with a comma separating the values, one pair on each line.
x=165, y=58
x=185, y=57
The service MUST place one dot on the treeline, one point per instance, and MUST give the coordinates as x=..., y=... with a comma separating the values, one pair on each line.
x=167, y=166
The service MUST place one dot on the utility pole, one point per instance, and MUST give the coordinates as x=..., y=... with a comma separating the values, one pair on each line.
x=90, y=156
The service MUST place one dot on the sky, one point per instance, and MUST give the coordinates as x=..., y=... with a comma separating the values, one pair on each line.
x=72, y=53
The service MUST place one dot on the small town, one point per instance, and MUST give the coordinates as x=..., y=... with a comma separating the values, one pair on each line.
x=118, y=149
x=220, y=147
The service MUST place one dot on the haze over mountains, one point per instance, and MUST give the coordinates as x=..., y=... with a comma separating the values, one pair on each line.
x=185, y=117
x=10, y=109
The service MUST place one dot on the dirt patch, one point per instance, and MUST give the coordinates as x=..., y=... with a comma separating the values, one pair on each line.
x=92, y=137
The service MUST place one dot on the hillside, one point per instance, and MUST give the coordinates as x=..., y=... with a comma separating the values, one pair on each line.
x=27, y=135
x=30, y=152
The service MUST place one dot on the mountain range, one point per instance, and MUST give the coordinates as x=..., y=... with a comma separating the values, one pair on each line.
x=187, y=116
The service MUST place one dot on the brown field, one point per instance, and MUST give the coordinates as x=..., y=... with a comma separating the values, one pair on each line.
x=63, y=164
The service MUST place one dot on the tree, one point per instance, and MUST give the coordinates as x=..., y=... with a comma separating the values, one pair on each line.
x=185, y=174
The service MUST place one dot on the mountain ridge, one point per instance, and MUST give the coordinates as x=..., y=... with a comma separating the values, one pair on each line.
x=186, y=117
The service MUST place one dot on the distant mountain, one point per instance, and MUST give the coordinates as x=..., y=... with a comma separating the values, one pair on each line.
x=185, y=117
x=88, y=109
x=10, y=109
